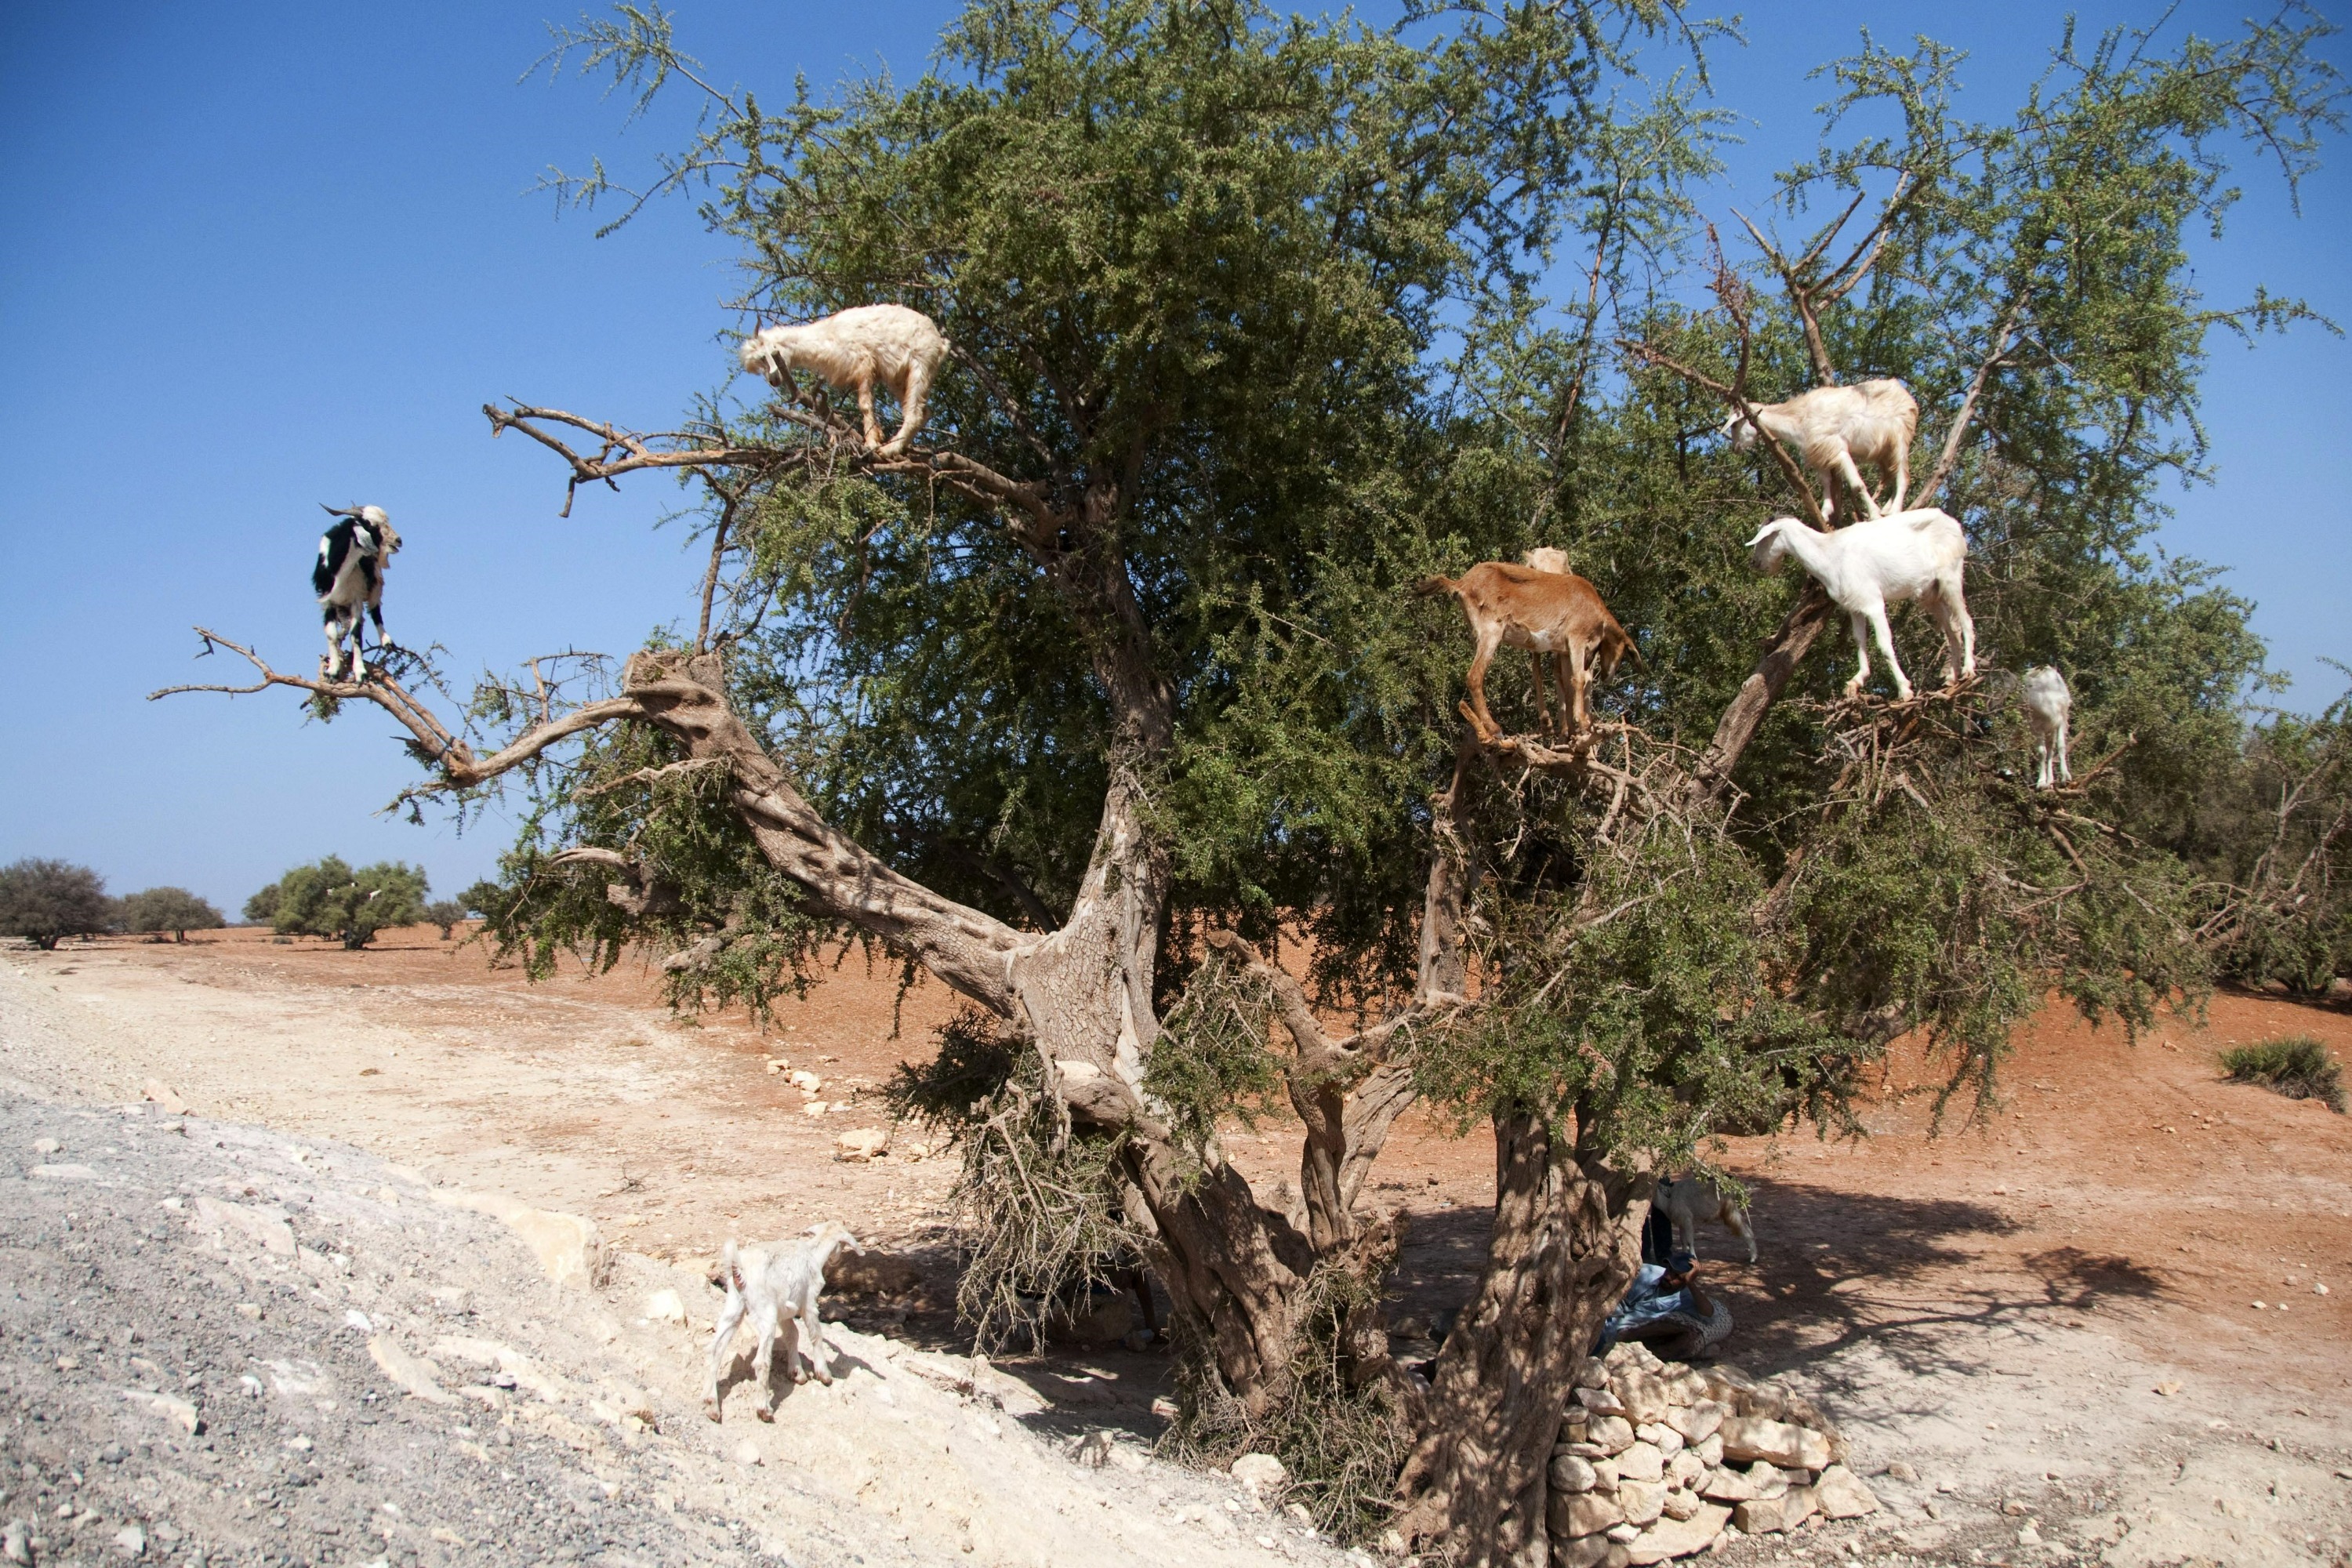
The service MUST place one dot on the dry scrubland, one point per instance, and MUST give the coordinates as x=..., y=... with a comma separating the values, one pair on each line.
x=2051, y=1321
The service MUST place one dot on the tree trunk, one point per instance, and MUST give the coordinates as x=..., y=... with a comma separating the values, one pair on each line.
x=1557, y=1262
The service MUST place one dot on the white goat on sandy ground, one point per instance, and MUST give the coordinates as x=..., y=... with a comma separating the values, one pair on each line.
x=1687, y=1201
x=899, y=347
x=776, y=1287
x=1879, y=561
x=1835, y=428
x=2048, y=706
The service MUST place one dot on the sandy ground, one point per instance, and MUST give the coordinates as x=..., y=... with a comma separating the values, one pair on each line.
x=2052, y=1318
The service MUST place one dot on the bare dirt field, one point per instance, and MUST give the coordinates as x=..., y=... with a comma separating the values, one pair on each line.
x=2109, y=1324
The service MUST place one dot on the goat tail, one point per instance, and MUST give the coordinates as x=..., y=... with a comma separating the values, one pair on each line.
x=1431, y=587
x=726, y=1274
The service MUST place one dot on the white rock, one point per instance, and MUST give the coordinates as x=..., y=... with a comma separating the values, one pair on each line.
x=746, y=1453
x=861, y=1144
x=409, y=1374
x=46, y=1145
x=1843, y=1494
x=1260, y=1475
x=664, y=1307
x=1571, y=1473
x=131, y=1541
x=806, y=1081
x=1642, y=1462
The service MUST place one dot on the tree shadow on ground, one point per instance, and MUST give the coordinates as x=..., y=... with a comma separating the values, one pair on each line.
x=1836, y=1269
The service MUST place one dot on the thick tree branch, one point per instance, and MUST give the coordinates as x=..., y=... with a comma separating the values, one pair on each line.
x=1950, y=458
x=1790, y=468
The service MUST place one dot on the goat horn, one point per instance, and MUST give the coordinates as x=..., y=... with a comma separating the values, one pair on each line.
x=339, y=511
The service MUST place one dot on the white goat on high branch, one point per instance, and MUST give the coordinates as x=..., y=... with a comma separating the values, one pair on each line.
x=347, y=578
x=891, y=344
x=2048, y=707
x=1834, y=429
x=1879, y=561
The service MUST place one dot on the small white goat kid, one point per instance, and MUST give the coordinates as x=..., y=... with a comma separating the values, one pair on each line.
x=776, y=1287
x=1834, y=429
x=2048, y=706
x=1879, y=561
x=899, y=347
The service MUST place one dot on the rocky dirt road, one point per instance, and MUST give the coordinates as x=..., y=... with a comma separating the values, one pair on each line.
x=2049, y=1322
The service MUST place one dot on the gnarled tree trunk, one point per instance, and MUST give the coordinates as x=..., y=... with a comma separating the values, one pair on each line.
x=1560, y=1256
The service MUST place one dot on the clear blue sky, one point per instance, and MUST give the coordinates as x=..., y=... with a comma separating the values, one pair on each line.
x=261, y=256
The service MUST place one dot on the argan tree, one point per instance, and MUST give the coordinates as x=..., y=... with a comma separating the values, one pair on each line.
x=1105, y=704
x=328, y=899
x=173, y=909
x=44, y=902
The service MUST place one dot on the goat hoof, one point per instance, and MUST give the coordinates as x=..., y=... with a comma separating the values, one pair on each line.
x=711, y=1410
x=768, y=1416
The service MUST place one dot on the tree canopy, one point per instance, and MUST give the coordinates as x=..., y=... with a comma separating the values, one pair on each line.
x=328, y=899
x=1107, y=705
x=44, y=902
x=173, y=909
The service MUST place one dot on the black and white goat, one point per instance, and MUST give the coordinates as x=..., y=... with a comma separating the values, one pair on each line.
x=348, y=577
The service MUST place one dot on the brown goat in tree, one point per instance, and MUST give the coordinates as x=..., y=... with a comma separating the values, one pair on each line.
x=1554, y=615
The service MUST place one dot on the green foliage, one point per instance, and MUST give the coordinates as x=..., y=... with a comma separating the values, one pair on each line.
x=1212, y=1058
x=1037, y=1220
x=447, y=914
x=261, y=909
x=173, y=909
x=2297, y=1066
x=2272, y=836
x=697, y=890
x=1263, y=291
x=1341, y=1438
x=956, y=1087
x=44, y=902
x=328, y=898
x=484, y=897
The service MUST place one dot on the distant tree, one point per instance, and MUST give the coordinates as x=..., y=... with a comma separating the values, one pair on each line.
x=262, y=908
x=173, y=909
x=45, y=901
x=328, y=898
x=446, y=913
x=487, y=898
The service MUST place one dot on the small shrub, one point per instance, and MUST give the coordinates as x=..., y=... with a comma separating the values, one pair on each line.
x=2296, y=1066
x=446, y=913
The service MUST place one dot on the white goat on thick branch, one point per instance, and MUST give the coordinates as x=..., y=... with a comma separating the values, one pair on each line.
x=852, y=350
x=1834, y=429
x=1879, y=561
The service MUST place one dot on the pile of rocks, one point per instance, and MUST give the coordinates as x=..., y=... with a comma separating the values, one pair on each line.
x=1655, y=1461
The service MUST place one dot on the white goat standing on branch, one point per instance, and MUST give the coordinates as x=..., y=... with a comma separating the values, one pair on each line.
x=2048, y=706
x=1879, y=561
x=887, y=343
x=1834, y=429
x=347, y=578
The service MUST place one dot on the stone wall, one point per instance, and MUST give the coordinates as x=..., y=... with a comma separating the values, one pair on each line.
x=1658, y=1461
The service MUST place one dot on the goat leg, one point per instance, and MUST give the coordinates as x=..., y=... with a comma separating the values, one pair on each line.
x=865, y=409
x=820, y=1356
x=763, y=1366
x=722, y=1336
